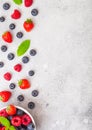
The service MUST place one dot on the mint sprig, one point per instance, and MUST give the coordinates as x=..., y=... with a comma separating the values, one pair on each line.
x=18, y=2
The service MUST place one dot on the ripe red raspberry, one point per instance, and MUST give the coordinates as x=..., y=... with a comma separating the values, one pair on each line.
x=16, y=121
x=18, y=67
x=3, y=113
x=26, y=119
x=7, y=76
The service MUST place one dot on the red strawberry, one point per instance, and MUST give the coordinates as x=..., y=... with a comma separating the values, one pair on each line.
x=16, y=121
x=11, y=110
x=28, y=3
x=16, y=14
x=3, y=113
x=7, y=37
x=5, y=96
x=18, y=67
x=24, y=84
x=26, y=119
x=7, y=76
x=28, y=25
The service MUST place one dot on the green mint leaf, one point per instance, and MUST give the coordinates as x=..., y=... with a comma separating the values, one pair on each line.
x=23, y=47
x=12, y=128
x=4, y=121
x=18, y=2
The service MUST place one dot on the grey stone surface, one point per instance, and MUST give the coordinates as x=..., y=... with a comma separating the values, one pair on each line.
x=63, y=65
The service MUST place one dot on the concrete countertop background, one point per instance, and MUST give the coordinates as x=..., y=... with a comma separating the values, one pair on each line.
x=63, y=39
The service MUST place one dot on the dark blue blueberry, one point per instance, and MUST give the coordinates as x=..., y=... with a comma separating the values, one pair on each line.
x=32, y=52
x=2, y=19
x=20, y=98
x=34, y=12
x=20, y=112
x=31, y=73
x=6, y=6
x=4, y=48
x=30, y=127
x=10, y=56
x=31, y=105
x=25, y=59
x=1, y=64
x=10, y=118
x=35, y=93
x=12, y=26
x=12, y=86
x=19, y=34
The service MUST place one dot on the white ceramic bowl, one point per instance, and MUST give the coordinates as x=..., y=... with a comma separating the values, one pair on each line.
x=25, y=112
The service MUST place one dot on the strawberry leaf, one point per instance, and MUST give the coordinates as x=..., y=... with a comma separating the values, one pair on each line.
x=23, y=47
x=18, y=2
x=4, y=121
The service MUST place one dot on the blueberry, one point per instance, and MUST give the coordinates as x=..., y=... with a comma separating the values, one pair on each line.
x=35, y=93
x=25, y=59
x=34, y=12
x=1, y=64
x=10, y=56
x=10, y=118
x=31, y=73
x=12, y=26
x=20, y=112
x=30, y=127
x=31, y=105
x=6, y=6
x=19, y=34
x=12, y=86
x=20, y=98
x=2, y=19
x=33, y=52
x=4, y=48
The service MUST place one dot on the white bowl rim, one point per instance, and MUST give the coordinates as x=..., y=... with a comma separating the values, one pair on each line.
x=23, y=109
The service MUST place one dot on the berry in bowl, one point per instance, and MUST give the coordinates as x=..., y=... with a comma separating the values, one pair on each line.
x=16, y=118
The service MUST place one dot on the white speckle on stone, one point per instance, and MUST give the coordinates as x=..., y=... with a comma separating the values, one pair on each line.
x=45, y=67
x=85, y=121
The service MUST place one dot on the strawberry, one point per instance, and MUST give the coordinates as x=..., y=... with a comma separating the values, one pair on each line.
x=18, y=67
x=11, y=110
x=5, y=96
x=24, y=84
x=7, y=37
x=16, y=14
x=28, y=3
x=28, y=25
x=7, y=76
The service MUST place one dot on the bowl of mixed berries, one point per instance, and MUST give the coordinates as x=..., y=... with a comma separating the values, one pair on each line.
x=16, y=118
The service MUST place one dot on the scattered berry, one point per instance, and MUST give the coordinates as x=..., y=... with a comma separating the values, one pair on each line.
x=18, y=67
x=3, y=48
x=19, y=35
x=11, y=110
x=20, y=98
x=35, y=93
x=34, y=12
x=28, y=3
x=6, y=6
x=28, y=25
x=7, y=37
x=20, y=112
x=8, y=76
x=1, y=64
x=31, y=105
x=16, y=121
x=32, y=52
x=10, y=56
x=12, y=86
x=31, y=73
x=5, y=96
x=16, y=14
x=3, y=113
x=2, y=19
x=26, y=119
x=12, y=26
x=25, y=59
x=24, y=84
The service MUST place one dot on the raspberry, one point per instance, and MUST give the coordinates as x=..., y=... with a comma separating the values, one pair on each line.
x=3, y=113
x=16, y=121
x=26, y=119
x=18, y=67
x=7, y=76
